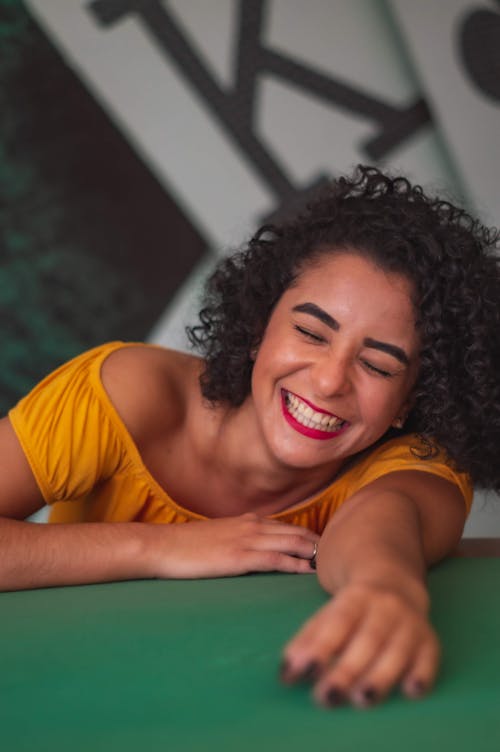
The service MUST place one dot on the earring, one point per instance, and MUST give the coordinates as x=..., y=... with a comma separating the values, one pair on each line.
x=398, y=422
x=253, y=353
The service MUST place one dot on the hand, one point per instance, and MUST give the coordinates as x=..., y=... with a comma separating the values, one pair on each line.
x=360, y=645
x=232, y=546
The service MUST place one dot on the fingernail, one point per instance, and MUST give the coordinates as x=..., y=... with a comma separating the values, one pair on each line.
x=334, y=697
x=285, y=672
x=418, y=688
x=310, y=672
x=369, y=695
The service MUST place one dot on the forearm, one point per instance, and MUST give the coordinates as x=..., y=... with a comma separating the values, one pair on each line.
x=373, y=555
x=37, y=555
x=33, y=555
x=376, y=541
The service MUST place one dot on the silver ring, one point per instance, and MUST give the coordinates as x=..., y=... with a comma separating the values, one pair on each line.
x=313, y=557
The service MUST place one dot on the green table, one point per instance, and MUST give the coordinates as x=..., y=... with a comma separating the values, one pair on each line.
x=191, y=665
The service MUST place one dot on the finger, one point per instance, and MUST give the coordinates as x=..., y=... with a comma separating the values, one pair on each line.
x=292, y=544
x=320, y=639
x=276, y=527
x=421, y=675
x=274, y=561
x=273, y=527
x=387, y=668
x=371, y=636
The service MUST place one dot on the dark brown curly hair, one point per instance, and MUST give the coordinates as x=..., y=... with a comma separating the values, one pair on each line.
x=450, y=258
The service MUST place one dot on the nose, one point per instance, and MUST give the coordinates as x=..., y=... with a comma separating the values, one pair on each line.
x=331, y=376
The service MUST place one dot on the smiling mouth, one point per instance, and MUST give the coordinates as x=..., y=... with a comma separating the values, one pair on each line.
x=315, y=423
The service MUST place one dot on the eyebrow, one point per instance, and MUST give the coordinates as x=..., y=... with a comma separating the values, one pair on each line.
x=318, y=313
x=394, y=350
x=387, y=347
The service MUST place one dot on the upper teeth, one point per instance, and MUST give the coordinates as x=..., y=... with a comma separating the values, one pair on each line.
x=303, y=413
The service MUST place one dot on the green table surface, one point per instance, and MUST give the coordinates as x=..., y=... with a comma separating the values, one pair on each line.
x=192, y=665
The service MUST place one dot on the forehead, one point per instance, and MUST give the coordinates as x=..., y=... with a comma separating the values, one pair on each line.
x=351, y=287
x=349, y=269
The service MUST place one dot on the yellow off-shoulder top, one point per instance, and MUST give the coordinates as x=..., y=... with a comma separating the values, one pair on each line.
x=89, y=469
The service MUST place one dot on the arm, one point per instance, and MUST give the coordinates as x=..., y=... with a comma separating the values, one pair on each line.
x=373, y=556
x=37, y=555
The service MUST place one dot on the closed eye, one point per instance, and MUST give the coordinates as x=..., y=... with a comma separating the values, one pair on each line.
x=308, y=335
x=378, y=371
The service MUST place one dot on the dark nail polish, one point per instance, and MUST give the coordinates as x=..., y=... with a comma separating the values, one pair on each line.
x=369, y=695
x=418, y=688
x=285, y=672
x=310, y=672
x=334, y=697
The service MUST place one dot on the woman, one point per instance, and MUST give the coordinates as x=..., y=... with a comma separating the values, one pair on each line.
x=347, y=399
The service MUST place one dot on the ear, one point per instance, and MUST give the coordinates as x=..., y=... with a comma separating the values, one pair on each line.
x=403, y=413
x=254, y=350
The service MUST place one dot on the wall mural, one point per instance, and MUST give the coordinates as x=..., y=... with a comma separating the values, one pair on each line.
x=140, y=139
x=84, y=223
x=480, y=51
x=235, y=109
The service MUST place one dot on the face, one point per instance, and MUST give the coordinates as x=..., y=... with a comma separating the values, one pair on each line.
x=337, y=362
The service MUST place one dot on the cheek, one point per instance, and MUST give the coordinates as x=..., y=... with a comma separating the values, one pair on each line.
x=381, y=406
x=275, y=355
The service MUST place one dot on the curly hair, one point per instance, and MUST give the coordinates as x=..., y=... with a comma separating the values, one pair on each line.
x=451, y=260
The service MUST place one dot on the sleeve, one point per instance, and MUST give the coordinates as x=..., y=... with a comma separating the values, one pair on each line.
x=402, y=454
x=66, y=430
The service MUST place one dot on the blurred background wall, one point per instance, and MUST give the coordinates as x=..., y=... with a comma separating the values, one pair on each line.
x=142, y=139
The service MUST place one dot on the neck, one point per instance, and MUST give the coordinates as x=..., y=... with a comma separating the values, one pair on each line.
x=248, y=474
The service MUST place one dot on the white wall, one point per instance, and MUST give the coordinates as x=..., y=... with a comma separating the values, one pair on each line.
x=367, y=55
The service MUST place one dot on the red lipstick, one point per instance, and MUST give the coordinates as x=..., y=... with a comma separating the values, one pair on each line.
x=312, y=433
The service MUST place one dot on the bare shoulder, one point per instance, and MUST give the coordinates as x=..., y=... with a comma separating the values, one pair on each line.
x=19, y=492
x=150, y=387
x=434, y=496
